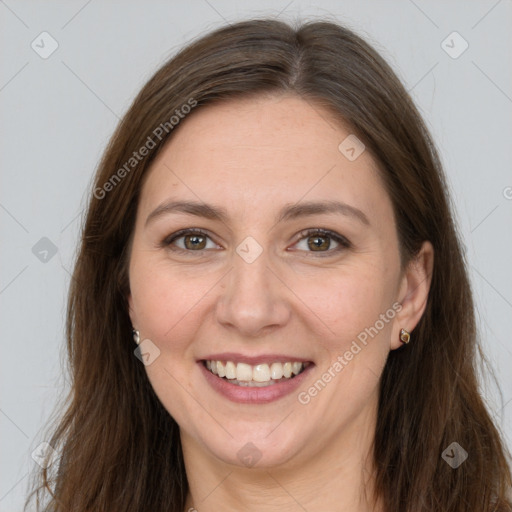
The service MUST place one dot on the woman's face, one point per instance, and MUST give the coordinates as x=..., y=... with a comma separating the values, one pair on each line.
x=255, y=291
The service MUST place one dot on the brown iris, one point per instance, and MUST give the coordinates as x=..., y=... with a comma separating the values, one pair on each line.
x=196, y=241
x=314, y=245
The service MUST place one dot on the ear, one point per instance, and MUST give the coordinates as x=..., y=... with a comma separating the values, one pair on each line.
x=413, y=293
x=131, y=310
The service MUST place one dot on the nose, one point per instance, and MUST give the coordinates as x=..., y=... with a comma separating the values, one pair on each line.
x=254, y=298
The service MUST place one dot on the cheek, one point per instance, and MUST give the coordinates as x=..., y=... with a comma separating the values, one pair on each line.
x=347, y=302
x=356, y=311
x=355, y=349
x=167, y=303
x=166, y=300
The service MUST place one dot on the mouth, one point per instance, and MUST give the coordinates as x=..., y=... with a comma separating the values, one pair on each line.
x=258, y=375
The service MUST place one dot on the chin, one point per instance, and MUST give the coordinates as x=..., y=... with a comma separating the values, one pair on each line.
x=256, y=448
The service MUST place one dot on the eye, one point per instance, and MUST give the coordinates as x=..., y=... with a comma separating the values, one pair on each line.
x=194, y=240
x=320, y=241
x=317, y=241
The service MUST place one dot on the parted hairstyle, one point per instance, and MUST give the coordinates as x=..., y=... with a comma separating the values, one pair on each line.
x=119, y=448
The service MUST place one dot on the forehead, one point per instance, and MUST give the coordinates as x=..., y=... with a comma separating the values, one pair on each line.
x=260, y=153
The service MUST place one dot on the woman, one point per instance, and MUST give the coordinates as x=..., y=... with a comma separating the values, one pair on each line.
x=270, y=307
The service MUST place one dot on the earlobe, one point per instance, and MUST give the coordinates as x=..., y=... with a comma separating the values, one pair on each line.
x=413, y=295
x=405, y=336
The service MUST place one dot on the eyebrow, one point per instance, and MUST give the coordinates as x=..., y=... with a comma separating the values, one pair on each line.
x=288, y=212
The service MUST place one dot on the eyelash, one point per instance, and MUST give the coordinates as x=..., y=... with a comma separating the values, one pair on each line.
x=342, y=241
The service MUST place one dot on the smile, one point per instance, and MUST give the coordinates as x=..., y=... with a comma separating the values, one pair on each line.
x=259, y=375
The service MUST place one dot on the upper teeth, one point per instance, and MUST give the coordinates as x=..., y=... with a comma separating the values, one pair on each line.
x=258, y=373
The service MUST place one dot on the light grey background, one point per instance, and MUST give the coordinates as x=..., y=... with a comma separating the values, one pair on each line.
x=58, y=113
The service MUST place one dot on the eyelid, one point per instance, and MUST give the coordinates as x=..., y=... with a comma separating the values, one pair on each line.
x=183, y=232
x=343, y=242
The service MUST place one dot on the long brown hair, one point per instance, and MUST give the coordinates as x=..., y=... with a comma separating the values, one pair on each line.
x=119, y=448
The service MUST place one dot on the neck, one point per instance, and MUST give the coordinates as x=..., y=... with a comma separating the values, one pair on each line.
x=340, y=476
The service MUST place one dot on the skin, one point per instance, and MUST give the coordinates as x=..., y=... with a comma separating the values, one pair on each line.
x=252, y=157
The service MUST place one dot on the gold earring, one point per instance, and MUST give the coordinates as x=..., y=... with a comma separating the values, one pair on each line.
x=136, y=336
x=405, y=336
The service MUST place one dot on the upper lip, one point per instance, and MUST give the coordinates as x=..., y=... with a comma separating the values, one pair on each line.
x=253, y=360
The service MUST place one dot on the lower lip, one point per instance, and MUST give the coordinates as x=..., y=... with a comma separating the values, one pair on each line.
x=254, y=395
